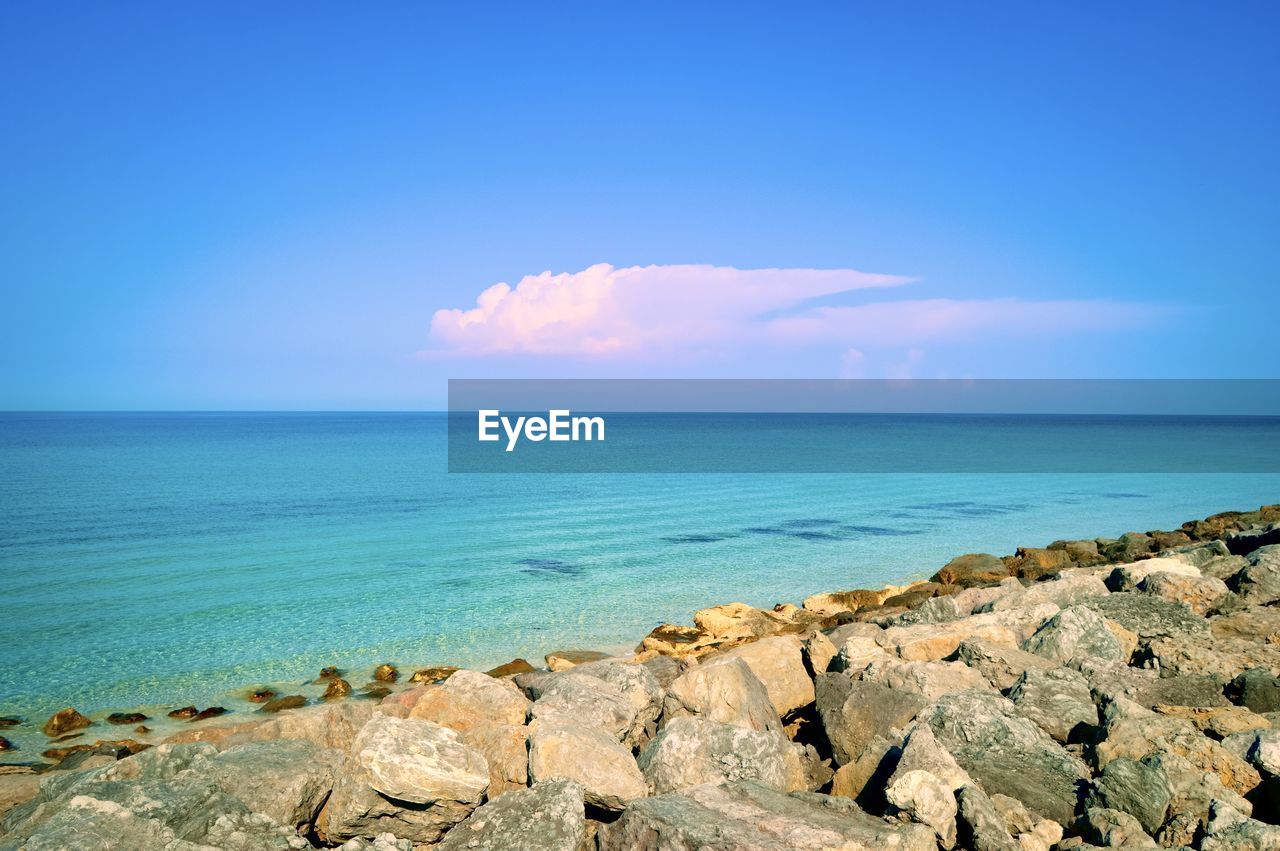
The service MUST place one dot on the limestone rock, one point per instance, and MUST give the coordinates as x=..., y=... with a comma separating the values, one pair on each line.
x=1058, y=700
x=548, y=816
x=865, y=778
x=469, y=699
x=933, y=642
x=1217, y=721
x=979, y=825
x=739, y=622
x=818, y=652
x=930, y=679
x=580, y=699
x=1113, y=829
x=855, y=712
x=1257, y=689
x=925, y=799
x=691, y=751
x=1231, y=830
x=1140, y=789
x=1199, y=593
x=1074, y=634
x=563, y=660
x=1147, y=616
x=1067, y=590
x=1127, y=577
x=286, y=780
x=835, y=602
x=1259, y=581
x=858, y=651
x=589, y=756
x=1001, y=666
x=972, y=568
x=778, y=662
x=921, y=751
x=722, y=690
x=638, y=686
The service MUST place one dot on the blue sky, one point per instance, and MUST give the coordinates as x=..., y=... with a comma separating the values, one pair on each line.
x=249, y=206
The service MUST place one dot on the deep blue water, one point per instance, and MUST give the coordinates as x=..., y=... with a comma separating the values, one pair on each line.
x=165, y=558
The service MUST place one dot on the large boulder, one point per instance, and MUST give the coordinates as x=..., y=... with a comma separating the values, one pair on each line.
x=746, y=816
x=855, y=712
x=1062, y=591
x=576, y=698
x=1058, y=700
x=639, y=686
x=930, y=679
x=1127, y=577
x=1248, y=541
x=1140, y=789
x=691, y=751
x=1259, y=581
x=1148, y=617
x=548, y=816
x=589, y=756
x=926, y=799
x=1002, y=666
x=1006, y=753
x=933, y=642
x=1231, y=830
x=468, y=699
x=1107, y=828
x=778, y=662
x=970, y=569
x=405, y=776
x=287, y=780
x=724, y=690
x=979, y=824
x=922, y=752
x=1201, y=594
x=1074, y=634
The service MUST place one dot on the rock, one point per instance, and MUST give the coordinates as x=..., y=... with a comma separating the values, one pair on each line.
x=1197, y=554
x=836, y=602
x=329, y=726
x=1216, y=721
x=674, y=640
x=1201, y=594
x=406, y=776
x=126, y=718
x=1006, y=753
x=548, y=816
x=1259, y=581
x=1074, y=634
x=1112, y=829
x=1254, y=624
x=1127, y=577
x=865, y=778
x=1247, y=541
x=210, y=712
x=375, y=691
x=638, y=687
x=778, y=662
x=1224, y=567
x=7, y=721
x=856, y=712
x=468, y=699
x=930, y=679
x=979, y=825
x=740, y=622
x=972, y=569
x=515, y=666
x=664, y=669
x=1261, y=748
x=934, y=642
x=328, y=672
x=381, y=842
x=184, y=713
x=722, y=690
x=563, y=660
x=924, y=798
x=16, y=788
x=1137, y=788
x=858, y=651
x=1037, y=563
x=921, y=751
x=433, y=675
x=386, y=674
x=1080, y=552
x=1017, y=818
x=915, y=594
x=1001, y=666
x=293, y=701
x=1129, y=547
x=1221, y=658
x=818, y=652
x=691, y=751
x=286, y=780
x=1149, y=617
x=1058, y=700
x=748, y=817
x=1257, y=689
x=5, y=744
x=580, y=699
x=605, y=768
x=1065, y=590
x=338, y=688
x=1231, y=830
x=260, y=695
x=64, y=721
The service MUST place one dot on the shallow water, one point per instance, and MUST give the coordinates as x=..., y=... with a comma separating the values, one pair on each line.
x=177, y=558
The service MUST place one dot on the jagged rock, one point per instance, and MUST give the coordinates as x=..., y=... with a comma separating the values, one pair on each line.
x=1216, y=721
x=1260, y=748
x=1074, y=634
x=931, y=642
x=1127, y=577
x=1247, y=541
x=1257, y=689
x=832, y=603
x=818, y=652
x=921, y=751
x=740, y=622
x=1259, y=581
x=586, y=754
x=778, y=662
x=1137, y=788
x=638, y=686
x=722, y=690
x=1231, y=830
x=691, y=751
x=335, y=726
x=1112, y=829
x=1042, y=836
x=979, y=825
x=286, y=780
x=664, y=669
x=1259, y=624
x=1197, y=554
x=1058, y=700
x=1129, y=546
x=858, y=651
x=1037, y=562
x=1224, y=567
x=970, y=569
x=469, y=699
x=855, y=712
x=930, y=679
x=958, y=605
x=548, y=816
x=865, y=778
x=1220, y=658
x=1065, y=590
x=1148, y=617
x=563, y=660
x=746, y=816
x=1201, y=594
x=1006, y=753
x=405, y=776
x=580, y=699
x=924, y=798
x=1001, y=666
x=381, y=842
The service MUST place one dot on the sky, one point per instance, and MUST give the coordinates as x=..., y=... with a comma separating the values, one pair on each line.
x=319, y=206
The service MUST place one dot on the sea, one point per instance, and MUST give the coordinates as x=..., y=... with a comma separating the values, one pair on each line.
x=162, y=559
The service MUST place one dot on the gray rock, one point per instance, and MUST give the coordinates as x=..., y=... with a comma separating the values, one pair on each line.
x=979, y=825
x=929, y=679
x=855, y=712
x=744, y=816
x=1137, y=788
x=922, y=752
x=638, y=686
x=1006, y=753
x=1224, y=567
x=1202, y=594
x=586, y=754
x=1075, y=634
x=691, y=751
x=287, y=780
x=1231, y=830
x=1112, y=829
x=1197, y=554
x=580, y=699
x=1247, y=541
x=664, y=669
x=1127, y=577
x=1058, y=700
x=1259, y=581
x=1148, y=617
x=1256, y=689
x=722, y=690
x=548, y=816
x=1001, y=666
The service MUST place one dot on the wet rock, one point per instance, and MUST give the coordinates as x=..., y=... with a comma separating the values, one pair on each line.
x=855, y=712
x=1058, y=700
x=1074, y=634
x=261, y=695
x=293, y=701
x=375, y=691
x=433, y=675
x=1140, y=789
x=126, y=718
x=64, y=721
x=925, y=799
x=1257, y=689
x=605, y=768
x=548, y=816
x=722, y=690
x=405, y=776
x=515, y=666
x=1201, y=594
x=971, y=569
x=746, y=816
x=386, y=674
x=1006, y=753
x=691, y=751
x=184, y=713
x=210, y=712
x=778, y=662
x=337, y=689
x=1112, y=829
x=5, y=744
x=978, y=825
x=9, y=721
x=1001, y=666
x=328, y=672
x=563, y=660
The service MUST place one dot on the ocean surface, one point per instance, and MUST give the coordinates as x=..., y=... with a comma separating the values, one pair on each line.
x=166, y=559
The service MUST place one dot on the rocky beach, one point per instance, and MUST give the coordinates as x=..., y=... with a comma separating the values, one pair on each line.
x=1087, y=693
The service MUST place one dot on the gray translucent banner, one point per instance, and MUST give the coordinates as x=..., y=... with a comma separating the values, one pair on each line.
x=864, y=426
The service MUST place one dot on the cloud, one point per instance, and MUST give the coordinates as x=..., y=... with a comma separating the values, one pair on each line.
x=644, y=311
x=682, y=312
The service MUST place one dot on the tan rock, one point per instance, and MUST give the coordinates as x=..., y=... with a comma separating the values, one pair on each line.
x=563, y=660
x=778, y=662
x=604, y=767
x=1200, y=593
x=434, y=674
x=834, y=602
x=1127, y=577
x=1220, y=721
x=818, y=651
x=724, y=690
x=469, y=699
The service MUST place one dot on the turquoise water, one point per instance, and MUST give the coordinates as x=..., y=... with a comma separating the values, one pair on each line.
x=176, y=558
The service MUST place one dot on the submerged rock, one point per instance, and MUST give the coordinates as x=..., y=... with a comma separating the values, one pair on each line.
x=126, y=718
x=293, y=701
x=65, y=721
x=563, y=660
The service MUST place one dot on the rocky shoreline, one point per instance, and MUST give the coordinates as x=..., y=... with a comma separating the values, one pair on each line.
x=1093, y=693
